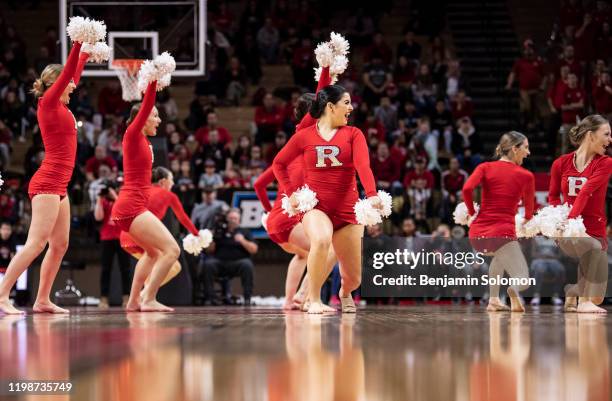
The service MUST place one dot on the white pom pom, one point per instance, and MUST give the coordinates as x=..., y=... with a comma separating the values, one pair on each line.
x=157, y=70
x=307, y=200
x=194, y=244
x=163, y=82
x=387, y=203
x=366, y=214
x=146, y=75
x=190, y=244
x=287, y=208
x=264, y=220
x=98, y=53
x=461, y=215
x=339, y=44
x=575, y=228
x=85, y=30
x=317, y=72
x=527, y=229
x=1, y=181
x=205, y=238
x=552, y=219
x=324, y=54
x=165, y=63
x=338, y=66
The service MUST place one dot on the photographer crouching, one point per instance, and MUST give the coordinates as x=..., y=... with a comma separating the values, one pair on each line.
x=229, y=256
x=109, y=240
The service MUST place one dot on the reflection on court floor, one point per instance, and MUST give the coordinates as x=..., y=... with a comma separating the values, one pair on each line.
x=407, y=353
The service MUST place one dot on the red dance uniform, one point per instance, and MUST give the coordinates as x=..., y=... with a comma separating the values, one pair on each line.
x=280, y=224
x=137, y=163
x=504, y=185
x=329, y=170
x=58, y=130
x=159, y=202
x=584, y=191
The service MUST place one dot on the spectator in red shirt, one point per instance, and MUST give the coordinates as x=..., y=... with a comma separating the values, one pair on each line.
x=584, y=39
x=110, y=100
x=571, y=108
x=100, y=158
x=530, y=73
x=303, y=63
x=569, y=60
x=462, y=106
x=419, y=184
x=212, y=124
x=109, y=247
x=602, y=95
x=555, y=100
x=603, y=42
x=404, y=73
x=269, y=120
x=379, y=48
x=385, y=168
x=279, y=141
x=452, y=181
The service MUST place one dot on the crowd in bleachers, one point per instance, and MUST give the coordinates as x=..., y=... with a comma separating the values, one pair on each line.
x=411, y=101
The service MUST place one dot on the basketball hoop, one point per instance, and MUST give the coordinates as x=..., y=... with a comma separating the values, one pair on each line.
x=127, y=71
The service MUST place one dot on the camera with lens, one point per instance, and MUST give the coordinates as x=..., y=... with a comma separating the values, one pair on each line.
x=106, y=185
x=219, y=227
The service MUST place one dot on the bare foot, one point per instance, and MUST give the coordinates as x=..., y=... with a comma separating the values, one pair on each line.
x=589, y=307
x=318, y=308
x=348, y=304
x=132, y=306
x=516, y=305
x=103, y=303
x=49, y=307
x=305, y=306
x=597, y=300
x=8, y=309
x=288, y=305
x=154, y=306
x=570, y=304
x=496, y=305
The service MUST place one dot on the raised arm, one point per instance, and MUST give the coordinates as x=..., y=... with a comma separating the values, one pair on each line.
x=260, y=186
x=361, y=161
x=468, y=188
x=179, y=212
x=599, y=178
x=529, y=196
x=324, y=80
x=55, y=91
x=287, y=154
x=136, y=126
x=83, y=57
x=554, y=187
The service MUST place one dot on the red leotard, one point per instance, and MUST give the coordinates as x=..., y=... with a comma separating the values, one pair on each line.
x=329, y=170
x=504, y=184
x=137, y=162
x=585, y=191
x=279, y=224
x=160, y=200
x=58, y=131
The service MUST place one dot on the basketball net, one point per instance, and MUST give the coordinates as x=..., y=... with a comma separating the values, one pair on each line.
x=127, y=71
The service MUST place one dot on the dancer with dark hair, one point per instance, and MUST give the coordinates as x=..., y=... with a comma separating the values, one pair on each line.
x=331, y=152
x=160, y=199
x=287, y=231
